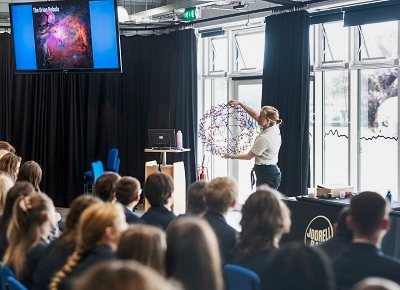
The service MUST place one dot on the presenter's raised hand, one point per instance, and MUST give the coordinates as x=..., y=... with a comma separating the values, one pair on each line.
x=233, y=103
x=226, y=156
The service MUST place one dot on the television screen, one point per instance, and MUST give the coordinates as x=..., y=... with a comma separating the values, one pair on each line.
x=66, y=36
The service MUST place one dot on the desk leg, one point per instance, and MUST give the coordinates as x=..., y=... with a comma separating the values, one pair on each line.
x=164, y=158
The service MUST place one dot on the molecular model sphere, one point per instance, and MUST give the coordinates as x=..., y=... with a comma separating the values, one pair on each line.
x=226, y=129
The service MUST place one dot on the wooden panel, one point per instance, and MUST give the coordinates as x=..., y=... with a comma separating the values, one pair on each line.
x=177, y=172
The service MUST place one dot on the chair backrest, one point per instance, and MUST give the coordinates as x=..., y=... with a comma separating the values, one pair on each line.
x=5, y=272
x=240, y=278
x=97, y=170
x=14, y=284
x=113, y=161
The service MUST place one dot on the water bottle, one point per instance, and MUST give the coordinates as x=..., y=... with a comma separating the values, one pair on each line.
x=389, y=197
x=179, y=140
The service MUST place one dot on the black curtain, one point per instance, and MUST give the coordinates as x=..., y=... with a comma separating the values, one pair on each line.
x=286, y=83
x=64, y=122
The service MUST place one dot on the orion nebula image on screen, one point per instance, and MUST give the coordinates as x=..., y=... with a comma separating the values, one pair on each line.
x=62, y=36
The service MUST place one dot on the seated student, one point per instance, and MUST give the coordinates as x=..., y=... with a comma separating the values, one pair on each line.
x=342, y=235
x=295, y=266
x=144, y=244
x=158, y=189
x=192, y=244
x=127, y=193
x=196, y=199
x=99, y=230
x=122, y=275
x=5, y=184
x=221, y=195
x=265, y=218
x=9, y=164
x=21, y=188
x=7, y=146
x=32, y=172
x=57, y=253
x=32, y=219
x=104, y=187
x=369, y=220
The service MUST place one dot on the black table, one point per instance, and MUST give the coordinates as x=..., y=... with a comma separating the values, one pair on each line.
x=313, y=219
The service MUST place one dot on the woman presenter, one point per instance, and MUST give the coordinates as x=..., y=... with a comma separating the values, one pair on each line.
x=266, y=147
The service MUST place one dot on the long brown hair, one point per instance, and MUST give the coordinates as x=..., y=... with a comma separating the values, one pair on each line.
x=20, y=188
x=25, y=230
x=10, y=163
x=265, y=217
x=192, y=244
x=145, y=244
x=30, y=171
x=91, y=229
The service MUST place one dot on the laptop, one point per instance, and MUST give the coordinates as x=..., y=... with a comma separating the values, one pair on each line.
x=162, y=138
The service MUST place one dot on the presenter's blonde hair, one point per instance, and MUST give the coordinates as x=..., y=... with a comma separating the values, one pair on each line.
x=272, y=114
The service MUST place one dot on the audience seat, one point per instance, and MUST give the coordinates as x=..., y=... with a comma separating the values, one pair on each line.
x=240, y=278
x=113, y=163
x=5, y=272
x=14, y=284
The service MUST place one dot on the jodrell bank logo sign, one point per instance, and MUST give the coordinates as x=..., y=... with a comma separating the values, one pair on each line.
x=318, y=231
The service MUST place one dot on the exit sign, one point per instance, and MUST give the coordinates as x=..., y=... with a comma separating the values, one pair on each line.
x=191, y=13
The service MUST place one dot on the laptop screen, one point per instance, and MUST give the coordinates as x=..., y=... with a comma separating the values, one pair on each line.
x=162, y=138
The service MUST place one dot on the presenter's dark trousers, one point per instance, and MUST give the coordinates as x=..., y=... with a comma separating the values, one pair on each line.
x=268, y=174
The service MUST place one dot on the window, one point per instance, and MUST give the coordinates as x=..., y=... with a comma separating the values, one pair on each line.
x=334, y=44
x=356, y=107
x=378, y=130
x=335, y=126
x=353, y=108
x=248, y=92
x=249, y=51
x=215, y=92
x=377, y=41
x=218, y=54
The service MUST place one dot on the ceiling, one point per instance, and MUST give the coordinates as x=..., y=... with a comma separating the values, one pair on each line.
x=165, y=14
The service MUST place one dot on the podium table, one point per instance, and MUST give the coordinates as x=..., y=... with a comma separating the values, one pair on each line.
x=176, y=171
x=319, y=214
x=164, y=152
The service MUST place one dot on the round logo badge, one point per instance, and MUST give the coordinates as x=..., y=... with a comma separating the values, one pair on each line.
x=319, y=230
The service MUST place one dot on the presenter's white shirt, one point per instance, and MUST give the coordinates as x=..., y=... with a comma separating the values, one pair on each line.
x=266, y=146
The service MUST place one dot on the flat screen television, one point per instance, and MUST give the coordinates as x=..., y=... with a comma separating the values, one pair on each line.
x=66, y=36
x=162, y=138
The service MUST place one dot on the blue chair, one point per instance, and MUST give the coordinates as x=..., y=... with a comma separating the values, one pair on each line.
x=113, y=162
x=5, y=272
x=240, y=278
x=14, y=284
x=97, y=170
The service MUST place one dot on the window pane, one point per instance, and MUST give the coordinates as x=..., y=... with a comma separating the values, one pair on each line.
x=378, y=40
x=379, y=117
x=336, y=137
x=249, y=51
x=215, y=92
x=249, y=94
x=334, y=44
x=311, y=132
x=218, y=54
